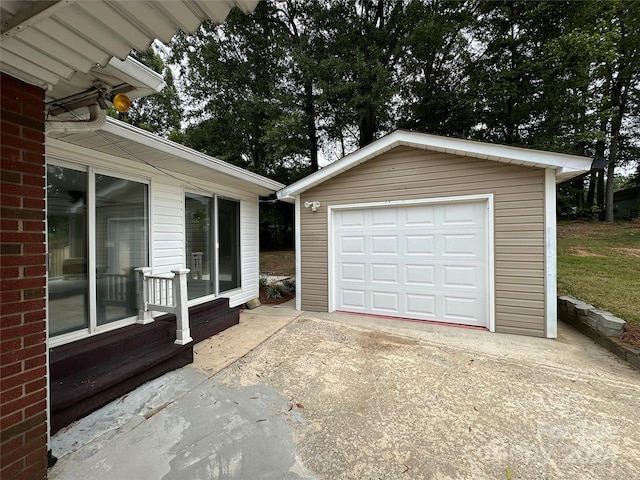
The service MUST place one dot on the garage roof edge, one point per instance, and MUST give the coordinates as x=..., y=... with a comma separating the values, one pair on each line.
x=566, y=166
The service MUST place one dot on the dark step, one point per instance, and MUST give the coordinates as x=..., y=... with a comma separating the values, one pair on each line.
x=207, y=319
x=91, y=351
x=162, y=361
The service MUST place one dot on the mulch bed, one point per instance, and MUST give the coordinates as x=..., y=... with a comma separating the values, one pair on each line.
x=631, y=335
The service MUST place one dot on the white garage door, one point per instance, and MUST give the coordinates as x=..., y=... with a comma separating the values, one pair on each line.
x=425, y=262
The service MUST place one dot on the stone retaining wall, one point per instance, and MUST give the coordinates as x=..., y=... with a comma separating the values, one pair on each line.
x=600, y=325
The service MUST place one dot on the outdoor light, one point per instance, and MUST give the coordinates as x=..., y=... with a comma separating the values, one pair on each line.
x=121, y=102
x=314, y=205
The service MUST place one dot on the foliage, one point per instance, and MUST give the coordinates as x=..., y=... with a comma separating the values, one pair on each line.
x=274, y=290
x=302, y=81
x=599, y=263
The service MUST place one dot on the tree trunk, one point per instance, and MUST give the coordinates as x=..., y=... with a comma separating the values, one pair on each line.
x=591, y=193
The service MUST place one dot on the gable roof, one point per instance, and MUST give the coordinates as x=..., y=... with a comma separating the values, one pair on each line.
x=134, y=144
x=566, y=166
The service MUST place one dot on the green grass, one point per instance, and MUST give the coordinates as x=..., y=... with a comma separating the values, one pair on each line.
x=600, y=264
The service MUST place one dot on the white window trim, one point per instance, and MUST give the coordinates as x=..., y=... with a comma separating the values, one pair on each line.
x=94, y=329
x=490, y=245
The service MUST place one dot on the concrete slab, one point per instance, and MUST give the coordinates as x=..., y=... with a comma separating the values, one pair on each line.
x=348, y=397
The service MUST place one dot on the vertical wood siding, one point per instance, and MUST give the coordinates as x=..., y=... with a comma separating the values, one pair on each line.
x=406, y=173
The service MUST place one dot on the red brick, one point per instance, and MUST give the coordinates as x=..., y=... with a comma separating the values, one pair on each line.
x=39, y=384
x=34, y=180
x=9, y=128
x=9, y=225
x=12, y=369
x=35, y=339
x=39, y=407
x=22, y=283
x=22, y=191
x=33, y=157
x=33, y=293
x=16, y=165
x=10, y=297
x=22, y=237
x=36, y=271
x=25, y=377
x=10, y=344
x=10, y=176
x=27, y=402
x=9, y=272
x=35, y=362
x=31, y=248
x=31, y=134
x=33, y=111
x=40, y=439
x=36, y=204
x=37, y=470
x=10, y=395
x=11, y=321
x=32, y=317
x=10, y=418
x=23, y=260
x=28, y=226
x=13, y=469
x=27, y=449
x=22, y=331
x=21, y=143
x=12, y=444
x=10, y=102
x=25, y=353
x=10, y=84
x=10, y=201
x=36, y=432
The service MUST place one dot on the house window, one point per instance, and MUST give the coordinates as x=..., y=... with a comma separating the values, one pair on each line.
x=199, y=235
x=98, y=233
x=212, y=270
x=228, y=244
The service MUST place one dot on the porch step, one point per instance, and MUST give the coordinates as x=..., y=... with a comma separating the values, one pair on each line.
x=87, y=374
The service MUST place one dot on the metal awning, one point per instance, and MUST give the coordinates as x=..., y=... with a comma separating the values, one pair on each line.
x=65, y=46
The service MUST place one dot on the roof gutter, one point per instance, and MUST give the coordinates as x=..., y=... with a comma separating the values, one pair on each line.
x=97, y=119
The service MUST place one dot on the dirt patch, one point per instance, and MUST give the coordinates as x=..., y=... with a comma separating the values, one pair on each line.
x=264, y=300
x=628, y=252
x=579, y=252
x=631, y=335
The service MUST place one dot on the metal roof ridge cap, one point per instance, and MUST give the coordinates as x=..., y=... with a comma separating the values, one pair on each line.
x=154, y=141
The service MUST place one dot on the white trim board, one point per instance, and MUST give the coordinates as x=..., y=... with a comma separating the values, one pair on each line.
x=566, y=166
x=550, y=255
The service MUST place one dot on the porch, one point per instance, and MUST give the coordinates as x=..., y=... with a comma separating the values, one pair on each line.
x=89, y=373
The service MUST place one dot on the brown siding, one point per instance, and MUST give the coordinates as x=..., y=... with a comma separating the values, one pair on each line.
x=406, y=173
x=23, y=422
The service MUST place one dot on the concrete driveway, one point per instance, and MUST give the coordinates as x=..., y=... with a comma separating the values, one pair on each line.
x=348, y=397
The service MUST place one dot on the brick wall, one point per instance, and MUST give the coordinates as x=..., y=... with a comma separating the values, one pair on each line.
x=23, y=381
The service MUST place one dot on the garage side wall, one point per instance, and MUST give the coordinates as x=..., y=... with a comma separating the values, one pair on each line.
x=409, y=174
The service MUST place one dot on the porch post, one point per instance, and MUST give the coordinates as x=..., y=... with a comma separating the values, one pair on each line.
x=183, y=332
x=142, y=293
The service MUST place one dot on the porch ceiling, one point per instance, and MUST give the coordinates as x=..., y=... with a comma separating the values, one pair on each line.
x=133, y=144
x=65, y=46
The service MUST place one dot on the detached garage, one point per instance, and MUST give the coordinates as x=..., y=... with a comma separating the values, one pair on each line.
x=432, y=228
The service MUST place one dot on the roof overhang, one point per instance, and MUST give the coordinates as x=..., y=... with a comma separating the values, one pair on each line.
x=565, y=166
x=139, y=146
x=66, y=46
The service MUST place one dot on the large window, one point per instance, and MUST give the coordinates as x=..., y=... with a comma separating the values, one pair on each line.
x=212, y=270
x=97, y=235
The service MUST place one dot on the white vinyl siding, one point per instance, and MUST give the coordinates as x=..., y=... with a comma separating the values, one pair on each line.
x=167, y=213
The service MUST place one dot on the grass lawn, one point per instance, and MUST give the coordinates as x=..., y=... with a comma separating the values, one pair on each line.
x=599, y=263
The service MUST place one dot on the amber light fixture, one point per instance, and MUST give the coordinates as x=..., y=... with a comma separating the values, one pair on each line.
x=121, y=103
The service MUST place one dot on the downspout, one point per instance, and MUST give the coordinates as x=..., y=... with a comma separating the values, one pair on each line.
x=97, y=119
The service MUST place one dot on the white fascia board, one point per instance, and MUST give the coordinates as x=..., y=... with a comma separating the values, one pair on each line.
x=550, y=255
x=571, y=165
x=155, y=142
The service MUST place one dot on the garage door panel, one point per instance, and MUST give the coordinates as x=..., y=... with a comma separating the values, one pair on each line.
x=419, y=245
x=421, y=275
x=426, y=262
x=352, y=272
x=384, y=273
x=384, y=245
x=354, y=299
x=386, y=302
x=352, y=244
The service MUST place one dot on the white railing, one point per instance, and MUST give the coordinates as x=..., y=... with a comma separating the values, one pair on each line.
x=164, y=293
